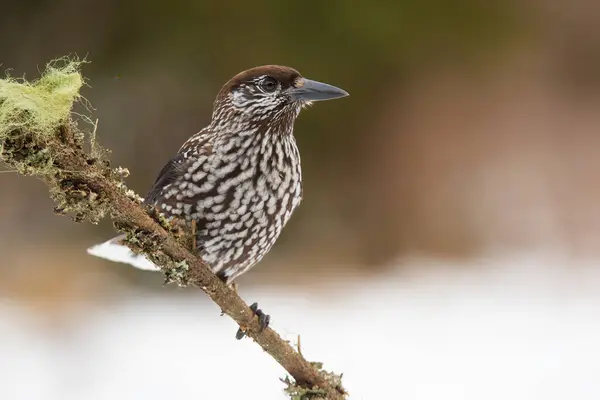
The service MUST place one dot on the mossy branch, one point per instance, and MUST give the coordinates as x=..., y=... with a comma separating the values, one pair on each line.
x=39, y=136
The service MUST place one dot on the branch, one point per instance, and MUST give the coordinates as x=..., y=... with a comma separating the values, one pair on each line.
x=40, y=137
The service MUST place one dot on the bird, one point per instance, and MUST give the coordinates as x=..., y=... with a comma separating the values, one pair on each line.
x=239, y=179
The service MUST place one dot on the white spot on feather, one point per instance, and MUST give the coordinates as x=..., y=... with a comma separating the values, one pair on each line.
x=113, y=251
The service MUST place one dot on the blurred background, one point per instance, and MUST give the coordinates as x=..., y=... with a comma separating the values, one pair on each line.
x=447, y=244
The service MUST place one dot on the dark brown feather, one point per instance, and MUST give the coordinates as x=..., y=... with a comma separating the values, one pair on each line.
x=287, y=76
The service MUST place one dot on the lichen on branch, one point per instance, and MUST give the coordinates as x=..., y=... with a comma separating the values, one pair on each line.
x=40, y=135
x=42, y=104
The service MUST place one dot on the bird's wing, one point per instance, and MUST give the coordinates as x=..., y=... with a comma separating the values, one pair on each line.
x=173, y=173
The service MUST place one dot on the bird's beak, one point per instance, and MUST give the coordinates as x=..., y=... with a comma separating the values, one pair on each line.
x=309, y=90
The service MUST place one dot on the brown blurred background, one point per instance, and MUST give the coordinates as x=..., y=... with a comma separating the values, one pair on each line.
x=471, y=129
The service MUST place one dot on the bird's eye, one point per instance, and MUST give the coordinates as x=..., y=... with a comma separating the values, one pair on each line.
x=269, y=84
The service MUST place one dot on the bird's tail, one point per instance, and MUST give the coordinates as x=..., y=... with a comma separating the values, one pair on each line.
x=114, y=250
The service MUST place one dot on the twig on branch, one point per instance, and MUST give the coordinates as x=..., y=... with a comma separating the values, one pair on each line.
x=39, y=137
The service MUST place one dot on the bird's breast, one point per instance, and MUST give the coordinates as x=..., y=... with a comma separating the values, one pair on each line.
x=249, y=201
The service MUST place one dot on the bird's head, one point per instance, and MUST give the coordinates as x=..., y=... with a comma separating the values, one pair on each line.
x=270, y=93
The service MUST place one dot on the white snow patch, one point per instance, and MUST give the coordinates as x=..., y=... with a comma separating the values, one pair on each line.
x=522, y=329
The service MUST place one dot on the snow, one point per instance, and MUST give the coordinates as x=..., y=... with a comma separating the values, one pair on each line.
x=522, y=328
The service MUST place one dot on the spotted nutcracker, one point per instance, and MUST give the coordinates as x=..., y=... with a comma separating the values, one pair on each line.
x=239, y=179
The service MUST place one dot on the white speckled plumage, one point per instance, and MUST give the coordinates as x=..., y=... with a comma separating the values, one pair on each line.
x=239, y=178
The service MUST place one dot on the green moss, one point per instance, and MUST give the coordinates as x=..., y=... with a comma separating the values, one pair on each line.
x=133, y=196
x=178, y=274
x=297, y=392
x=43, y=104
x=33, y=113
x=39, y=136
x=300, y=393
x=78, y=198
x=149, y=244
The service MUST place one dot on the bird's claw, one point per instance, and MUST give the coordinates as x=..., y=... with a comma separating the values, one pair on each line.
x=263, y=321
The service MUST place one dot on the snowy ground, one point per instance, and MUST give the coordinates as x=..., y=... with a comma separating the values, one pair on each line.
x=529, y=330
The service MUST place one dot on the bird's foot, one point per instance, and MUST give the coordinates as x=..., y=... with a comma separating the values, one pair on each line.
x=263, y=320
